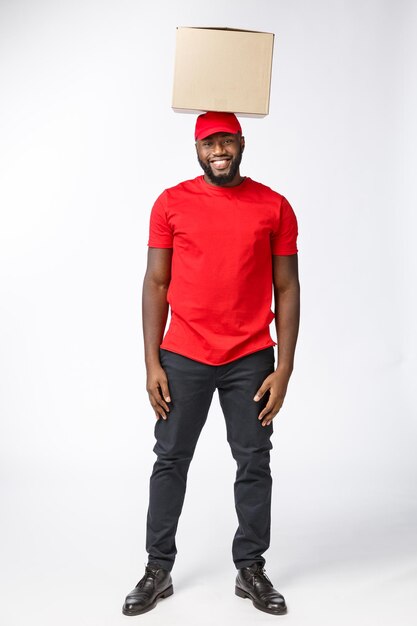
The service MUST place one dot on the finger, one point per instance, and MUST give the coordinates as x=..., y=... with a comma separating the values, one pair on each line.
x=159, y=411
x=261, y=392
x=268, y=417
x=267, y=408
x=165, y=391
x=163, y=404
x=157, y=406
x=158, y=399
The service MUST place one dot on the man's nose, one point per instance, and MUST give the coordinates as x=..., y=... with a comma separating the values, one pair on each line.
x=218, y=147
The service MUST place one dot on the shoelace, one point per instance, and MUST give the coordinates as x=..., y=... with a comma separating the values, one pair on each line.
x=149, y=573
x=260, y=573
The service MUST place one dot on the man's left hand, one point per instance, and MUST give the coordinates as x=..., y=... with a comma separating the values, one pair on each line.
x=276, y=383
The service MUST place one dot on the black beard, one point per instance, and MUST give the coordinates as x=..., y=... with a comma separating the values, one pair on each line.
x=222, y=179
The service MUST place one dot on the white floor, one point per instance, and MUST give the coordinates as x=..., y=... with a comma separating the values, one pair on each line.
x=71, y=553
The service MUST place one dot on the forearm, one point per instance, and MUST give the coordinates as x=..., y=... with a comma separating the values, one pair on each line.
x=287, y=319
x=154, y=317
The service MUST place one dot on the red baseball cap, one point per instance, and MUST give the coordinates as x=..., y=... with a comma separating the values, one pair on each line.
x=216, y=122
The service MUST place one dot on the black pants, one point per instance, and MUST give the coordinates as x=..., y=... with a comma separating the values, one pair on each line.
x=191, y=386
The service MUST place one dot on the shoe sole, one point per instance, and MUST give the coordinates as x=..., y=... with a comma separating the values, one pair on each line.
x=164, y=594
x=245, y=594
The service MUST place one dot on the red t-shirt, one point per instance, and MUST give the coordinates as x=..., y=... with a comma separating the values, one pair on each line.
x=223, y=239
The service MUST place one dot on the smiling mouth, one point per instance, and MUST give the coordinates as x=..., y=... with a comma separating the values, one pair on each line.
x=220, y=164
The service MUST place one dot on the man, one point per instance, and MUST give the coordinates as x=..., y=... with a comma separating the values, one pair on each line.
x=218, y=245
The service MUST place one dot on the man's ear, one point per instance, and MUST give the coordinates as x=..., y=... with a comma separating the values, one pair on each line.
x=242, y=143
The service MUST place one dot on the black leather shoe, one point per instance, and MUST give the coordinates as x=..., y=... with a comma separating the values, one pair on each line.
x=253, y=583
x=155, y=584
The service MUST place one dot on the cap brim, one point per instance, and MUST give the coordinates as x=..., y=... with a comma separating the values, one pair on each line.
x=217, y=129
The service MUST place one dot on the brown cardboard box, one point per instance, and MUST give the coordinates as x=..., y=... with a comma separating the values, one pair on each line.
x=222, y=69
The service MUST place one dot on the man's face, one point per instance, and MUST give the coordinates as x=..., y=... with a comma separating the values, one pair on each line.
x=220, y=155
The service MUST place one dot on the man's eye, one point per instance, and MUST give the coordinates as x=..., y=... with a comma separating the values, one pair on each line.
x=207, y=144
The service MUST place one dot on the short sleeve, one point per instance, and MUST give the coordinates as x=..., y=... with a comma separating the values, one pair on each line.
x=160, y=232
x=284, y=235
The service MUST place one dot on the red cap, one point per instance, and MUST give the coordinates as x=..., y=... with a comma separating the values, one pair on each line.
x=216, y=122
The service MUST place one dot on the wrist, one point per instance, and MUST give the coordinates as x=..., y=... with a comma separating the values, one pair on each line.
x=152, y=359
x=285, y=369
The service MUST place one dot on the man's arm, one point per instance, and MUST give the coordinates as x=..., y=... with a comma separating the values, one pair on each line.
x=287, y=318
x=154, y=316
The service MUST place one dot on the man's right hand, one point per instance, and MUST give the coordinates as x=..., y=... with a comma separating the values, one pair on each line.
x=157, y=388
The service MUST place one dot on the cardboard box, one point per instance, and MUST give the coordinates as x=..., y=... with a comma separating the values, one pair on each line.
x=222, y=69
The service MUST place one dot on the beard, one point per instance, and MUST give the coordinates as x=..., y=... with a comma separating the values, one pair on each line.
x=222, y=179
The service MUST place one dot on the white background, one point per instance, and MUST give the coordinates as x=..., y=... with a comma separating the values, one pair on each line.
x=88, y=140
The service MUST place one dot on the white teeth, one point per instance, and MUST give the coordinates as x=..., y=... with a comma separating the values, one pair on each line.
x=222, y=163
